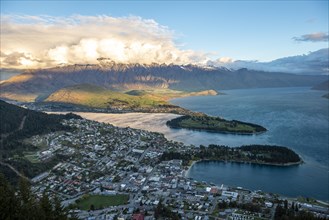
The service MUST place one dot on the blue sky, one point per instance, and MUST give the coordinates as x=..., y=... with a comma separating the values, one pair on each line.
x=241, y=30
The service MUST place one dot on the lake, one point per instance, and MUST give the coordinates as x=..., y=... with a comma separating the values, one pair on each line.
x=295, y=117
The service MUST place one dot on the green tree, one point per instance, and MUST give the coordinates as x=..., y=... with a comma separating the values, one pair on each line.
x=24, y=204
x=59, y=210
x=45, y=207
x=8, y=202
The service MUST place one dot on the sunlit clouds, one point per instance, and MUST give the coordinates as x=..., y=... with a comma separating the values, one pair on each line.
x=47, y=41
x=44, y=41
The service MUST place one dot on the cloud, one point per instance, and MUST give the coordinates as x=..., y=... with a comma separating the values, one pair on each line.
x=312, y=64
x=314, y=37
x=45, y=41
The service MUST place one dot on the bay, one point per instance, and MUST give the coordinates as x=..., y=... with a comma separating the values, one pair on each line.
x=295, y=117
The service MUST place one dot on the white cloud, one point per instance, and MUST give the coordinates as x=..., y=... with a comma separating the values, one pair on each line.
x=83, y=39
x=46, y=41
x=314, y=37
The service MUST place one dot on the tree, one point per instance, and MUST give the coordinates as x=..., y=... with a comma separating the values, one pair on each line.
x=285, y=204
x=8, y=202
x=45, y=206
x=59, y=210
x=25, y=205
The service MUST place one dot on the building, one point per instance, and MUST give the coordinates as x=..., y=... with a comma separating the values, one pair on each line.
x=138, y=216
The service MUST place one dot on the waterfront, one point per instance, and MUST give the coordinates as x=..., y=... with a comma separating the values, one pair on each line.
x=295, y=117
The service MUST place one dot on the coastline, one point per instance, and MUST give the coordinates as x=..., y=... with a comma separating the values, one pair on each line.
x=189, y=167
x=220, y=132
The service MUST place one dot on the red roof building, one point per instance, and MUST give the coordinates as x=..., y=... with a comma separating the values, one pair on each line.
x=138, y=216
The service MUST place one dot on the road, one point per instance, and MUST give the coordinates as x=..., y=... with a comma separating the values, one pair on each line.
x=13, y=169
x=21, y=126
x=3, y=136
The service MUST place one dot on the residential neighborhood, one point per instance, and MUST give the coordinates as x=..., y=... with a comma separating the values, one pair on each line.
x=123, y=167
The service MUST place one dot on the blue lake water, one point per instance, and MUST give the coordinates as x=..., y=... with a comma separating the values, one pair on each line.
x=295, y=117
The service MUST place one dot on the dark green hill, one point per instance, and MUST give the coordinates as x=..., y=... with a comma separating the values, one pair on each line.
x=23, y=122
x=17, y=124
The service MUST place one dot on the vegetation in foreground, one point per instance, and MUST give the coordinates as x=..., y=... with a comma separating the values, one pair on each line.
x=93, y=202
x=214, y=124
x=259, y=154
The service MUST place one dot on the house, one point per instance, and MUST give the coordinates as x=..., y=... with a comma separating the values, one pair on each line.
x=138, y=216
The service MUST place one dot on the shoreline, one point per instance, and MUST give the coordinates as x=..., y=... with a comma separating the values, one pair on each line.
x=189, y=167
x=220, y=132
x=248, y=162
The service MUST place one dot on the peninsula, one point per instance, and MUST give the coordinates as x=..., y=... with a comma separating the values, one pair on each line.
x=257, y=154
x=214, y=124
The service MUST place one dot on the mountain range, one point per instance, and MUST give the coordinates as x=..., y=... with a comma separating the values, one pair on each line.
x=38, y=85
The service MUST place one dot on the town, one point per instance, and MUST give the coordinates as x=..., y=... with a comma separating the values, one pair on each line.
x=109, y=172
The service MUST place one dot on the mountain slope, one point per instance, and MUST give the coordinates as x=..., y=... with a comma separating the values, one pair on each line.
x=34, y=122
x=16, y=125
x=95, y=96
x=134, y=100
x=322, y=86
x=36, y=85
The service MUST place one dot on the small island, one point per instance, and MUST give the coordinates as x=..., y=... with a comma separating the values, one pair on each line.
x=214, y=124
x=256, y=154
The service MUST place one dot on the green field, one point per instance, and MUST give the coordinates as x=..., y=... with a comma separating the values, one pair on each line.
x=32, y=157
x=101, y=201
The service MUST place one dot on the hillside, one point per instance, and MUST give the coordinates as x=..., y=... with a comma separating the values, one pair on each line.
x=18, y=124
x=35, y=122
x=132, y=100
x=36, y=85
x=95, y=96
x=322, y=86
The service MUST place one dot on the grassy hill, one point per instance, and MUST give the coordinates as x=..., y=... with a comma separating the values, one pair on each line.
x=134, y=100
x=96, y=96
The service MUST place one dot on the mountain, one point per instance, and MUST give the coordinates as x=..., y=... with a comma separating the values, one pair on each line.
x=37, y=85
x=322, y=86
x=8, y=73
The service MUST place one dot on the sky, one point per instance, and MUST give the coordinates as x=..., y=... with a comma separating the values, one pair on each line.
x=228, y=33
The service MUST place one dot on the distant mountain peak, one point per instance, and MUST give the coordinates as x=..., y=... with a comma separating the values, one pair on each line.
x=38, y=84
